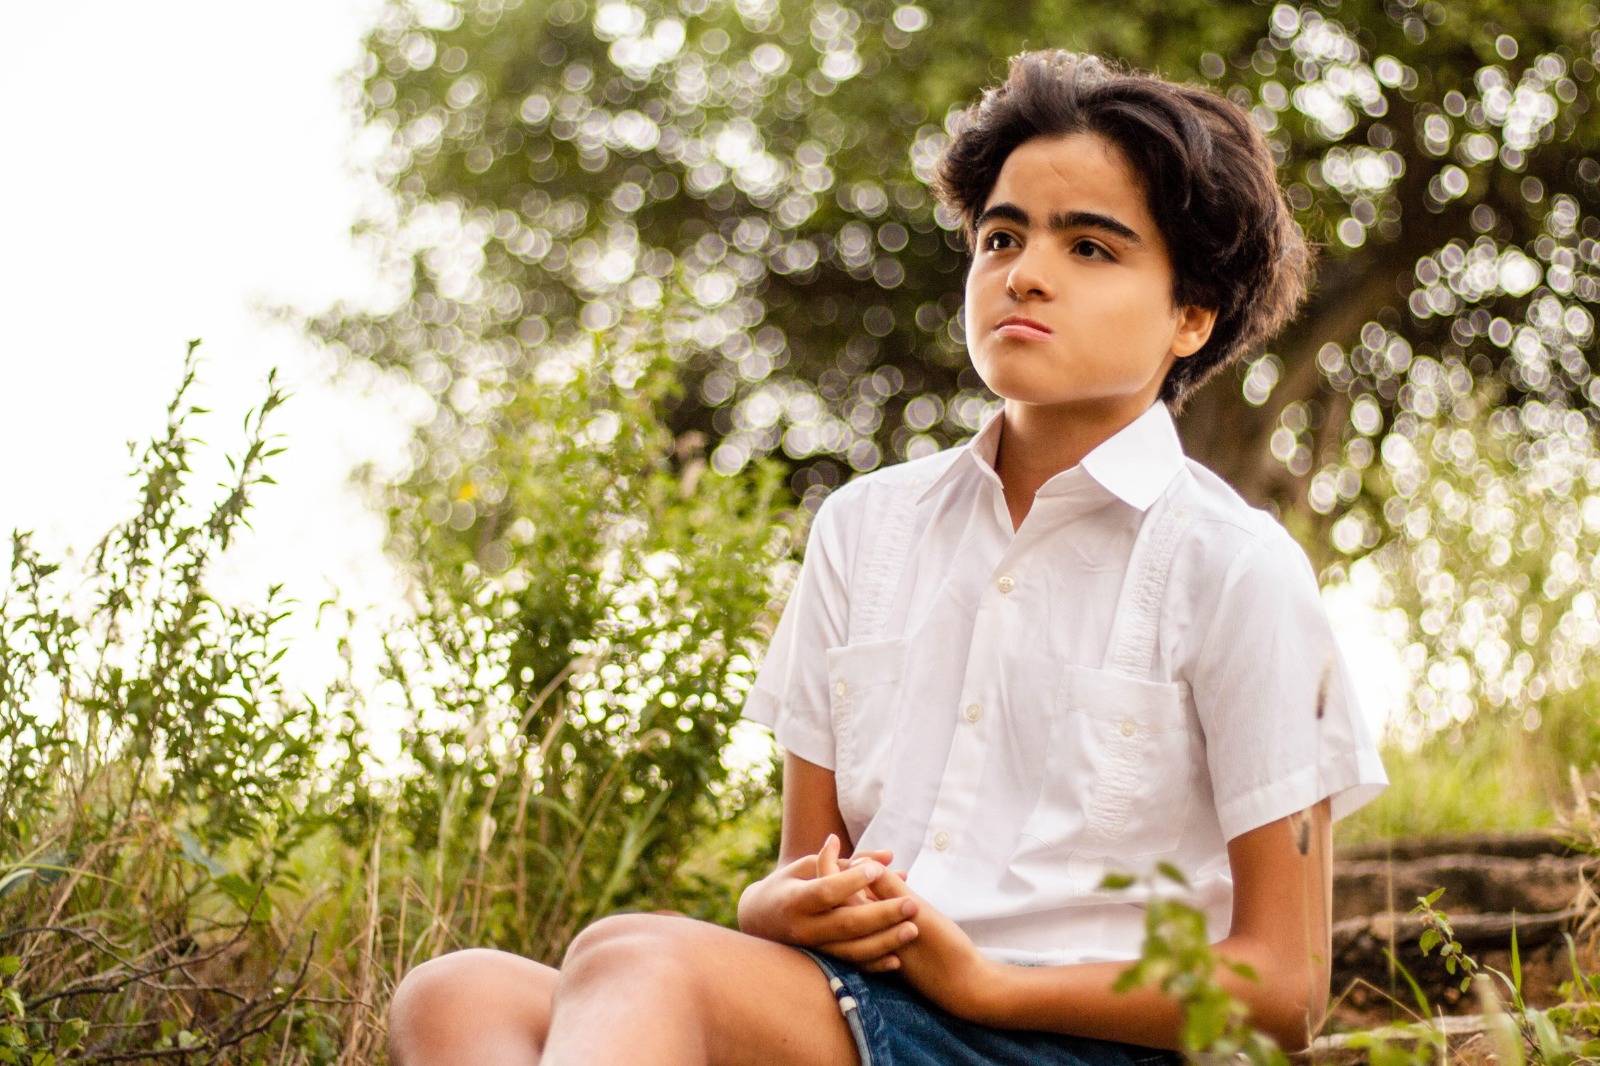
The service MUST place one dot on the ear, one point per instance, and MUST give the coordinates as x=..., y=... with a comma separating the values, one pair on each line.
x=1193, y=330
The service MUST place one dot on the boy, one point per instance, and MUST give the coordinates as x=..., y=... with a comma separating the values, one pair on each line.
x=1058, y=651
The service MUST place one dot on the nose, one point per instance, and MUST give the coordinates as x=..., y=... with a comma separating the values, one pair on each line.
x=1028, y=277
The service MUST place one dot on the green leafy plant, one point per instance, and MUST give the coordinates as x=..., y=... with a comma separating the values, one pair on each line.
x=595, y=599
x=1177, y=958
x=174, y=822
x=153, y=777
x=1561, y=1036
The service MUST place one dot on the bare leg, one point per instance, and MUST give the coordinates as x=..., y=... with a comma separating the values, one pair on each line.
x=489, y=1008
x=653, y=990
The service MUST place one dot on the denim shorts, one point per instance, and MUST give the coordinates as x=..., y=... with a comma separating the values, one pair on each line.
x=893, y=1025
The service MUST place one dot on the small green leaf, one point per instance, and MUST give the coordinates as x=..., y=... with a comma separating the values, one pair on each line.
x=248, y=897
x=72, y=1032
x=1429, y=940
x=9, y=964
x=1172, y=873
x=1431, y=898
x=1550, y=1041
x=1116, y=882
x=1516, y=963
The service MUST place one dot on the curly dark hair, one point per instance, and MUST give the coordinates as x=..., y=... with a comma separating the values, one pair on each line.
x=1207, y=174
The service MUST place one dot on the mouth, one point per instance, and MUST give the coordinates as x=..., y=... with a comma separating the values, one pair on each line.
x=1020, y=328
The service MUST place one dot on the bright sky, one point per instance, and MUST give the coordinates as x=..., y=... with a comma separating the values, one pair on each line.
x=173, y=168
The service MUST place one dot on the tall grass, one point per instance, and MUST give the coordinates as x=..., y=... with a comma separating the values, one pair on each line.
x=199, y=866
x=1491, y=774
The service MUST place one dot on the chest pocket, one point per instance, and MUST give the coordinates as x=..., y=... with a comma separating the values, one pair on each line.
x=1119, y=768
x=864, y=687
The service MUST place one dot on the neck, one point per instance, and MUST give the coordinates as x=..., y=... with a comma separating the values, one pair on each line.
x=1036, y=444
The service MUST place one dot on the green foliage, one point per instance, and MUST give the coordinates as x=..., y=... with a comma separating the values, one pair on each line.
x=195, y=861
x=1437, y=933
x=1501, y=770
x=1494, y=778
x=581, y=660
x=153, y=778
x=1561, y=1036
x=1177, y=959
x=26, y=1041
x=139, y=669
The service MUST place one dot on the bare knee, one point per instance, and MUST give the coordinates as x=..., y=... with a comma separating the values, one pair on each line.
x=642, y=950
x=454, y=1002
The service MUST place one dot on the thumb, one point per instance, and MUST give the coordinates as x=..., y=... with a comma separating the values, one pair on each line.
x=828, y=856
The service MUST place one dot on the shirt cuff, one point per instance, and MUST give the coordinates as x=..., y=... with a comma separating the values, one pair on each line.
x=812, y=745
x=1351, y=779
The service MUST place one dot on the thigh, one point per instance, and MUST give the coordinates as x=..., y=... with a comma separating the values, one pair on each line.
x=757, y=1003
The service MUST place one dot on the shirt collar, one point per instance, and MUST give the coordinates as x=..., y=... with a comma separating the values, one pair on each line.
x=1135, y=464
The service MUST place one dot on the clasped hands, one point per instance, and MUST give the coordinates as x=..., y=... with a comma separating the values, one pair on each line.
x=862, y=912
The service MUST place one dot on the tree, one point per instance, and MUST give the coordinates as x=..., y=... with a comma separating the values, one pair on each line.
x=761, y=166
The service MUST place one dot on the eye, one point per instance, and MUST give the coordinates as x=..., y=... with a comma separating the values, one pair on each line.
x=998, y=240
x=1091, y=250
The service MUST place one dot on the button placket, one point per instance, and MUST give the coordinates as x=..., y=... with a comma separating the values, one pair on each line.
x=962, y=779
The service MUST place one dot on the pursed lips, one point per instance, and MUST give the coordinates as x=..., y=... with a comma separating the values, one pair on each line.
x=1022, y=328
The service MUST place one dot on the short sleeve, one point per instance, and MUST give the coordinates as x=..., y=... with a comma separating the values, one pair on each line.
x=1283, y=728
x=790, y=694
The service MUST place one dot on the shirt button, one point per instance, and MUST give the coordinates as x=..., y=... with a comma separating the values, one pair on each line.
x=973, y=712
x=841, y=688
x=941, y=840
x=1129, y=727
x=1006, y=583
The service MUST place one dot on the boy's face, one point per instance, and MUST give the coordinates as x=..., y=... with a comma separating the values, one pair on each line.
x=1069, y=297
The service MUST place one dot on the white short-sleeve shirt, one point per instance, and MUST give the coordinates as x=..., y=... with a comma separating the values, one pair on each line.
x=1139, y=673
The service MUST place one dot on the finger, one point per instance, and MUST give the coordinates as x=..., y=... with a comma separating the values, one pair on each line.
x=870, y=948
x=828, y=856
x=887, y=964
x=891, y=886
x=850, y=923
x=861, y=857
x=804, y=868
x=837, y=889
x=883, y=855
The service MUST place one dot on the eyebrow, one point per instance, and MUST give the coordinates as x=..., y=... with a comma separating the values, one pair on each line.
x=1062, y=220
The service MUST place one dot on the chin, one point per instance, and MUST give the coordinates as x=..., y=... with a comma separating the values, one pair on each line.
x=1025, y=389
